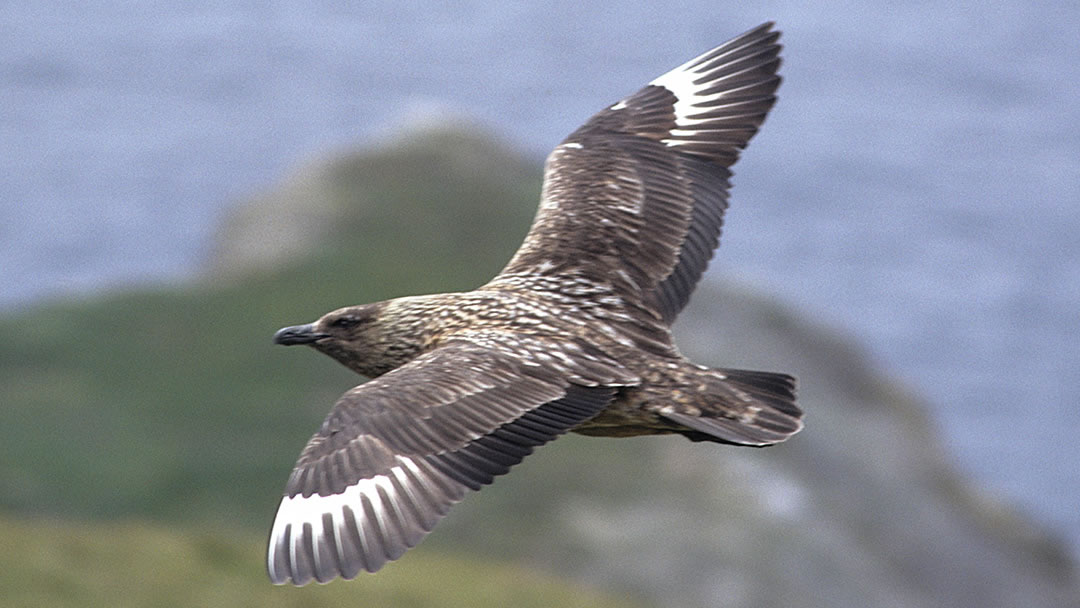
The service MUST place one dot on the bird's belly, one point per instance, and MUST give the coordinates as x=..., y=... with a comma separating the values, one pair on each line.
x=632, y=413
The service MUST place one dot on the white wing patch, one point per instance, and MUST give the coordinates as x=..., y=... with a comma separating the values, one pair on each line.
x=335, y=534
x=688, y=83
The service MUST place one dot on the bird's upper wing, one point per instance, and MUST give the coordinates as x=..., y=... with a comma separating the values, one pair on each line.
x=396, y=452
x=637, y=195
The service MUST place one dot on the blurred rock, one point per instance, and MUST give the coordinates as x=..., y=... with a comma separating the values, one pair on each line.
x=863, y=508
x=369, y=198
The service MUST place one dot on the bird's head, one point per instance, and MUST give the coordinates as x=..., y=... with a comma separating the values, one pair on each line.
x=352, y=335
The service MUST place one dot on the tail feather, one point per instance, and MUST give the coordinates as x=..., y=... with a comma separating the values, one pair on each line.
x=743, y=408
x=778, y=390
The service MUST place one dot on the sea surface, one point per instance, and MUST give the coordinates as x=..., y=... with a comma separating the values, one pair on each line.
x=917, y=186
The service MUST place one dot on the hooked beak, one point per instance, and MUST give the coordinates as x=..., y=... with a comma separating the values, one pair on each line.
x=297, y=334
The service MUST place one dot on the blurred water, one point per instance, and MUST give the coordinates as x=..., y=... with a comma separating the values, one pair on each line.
x=918, y=182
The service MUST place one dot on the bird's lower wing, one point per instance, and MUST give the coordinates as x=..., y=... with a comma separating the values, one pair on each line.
x=395, y=453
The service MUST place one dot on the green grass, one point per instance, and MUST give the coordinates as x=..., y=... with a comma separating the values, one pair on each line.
x=56, y=565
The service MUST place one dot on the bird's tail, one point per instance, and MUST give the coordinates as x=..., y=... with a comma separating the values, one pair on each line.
x=742, y=407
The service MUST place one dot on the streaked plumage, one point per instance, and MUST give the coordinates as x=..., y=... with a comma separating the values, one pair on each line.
x=573, y=335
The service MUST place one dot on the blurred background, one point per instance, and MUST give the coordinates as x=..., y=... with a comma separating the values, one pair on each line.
x=176, y=183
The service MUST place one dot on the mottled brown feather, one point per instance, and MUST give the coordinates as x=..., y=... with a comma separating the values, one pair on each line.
x=461, y=414
x=572, y=336
x=637, y=197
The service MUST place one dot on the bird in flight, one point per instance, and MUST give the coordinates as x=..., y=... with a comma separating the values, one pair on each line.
x=572, y=335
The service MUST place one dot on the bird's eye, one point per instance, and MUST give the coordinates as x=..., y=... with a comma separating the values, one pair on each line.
x=344, y=322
